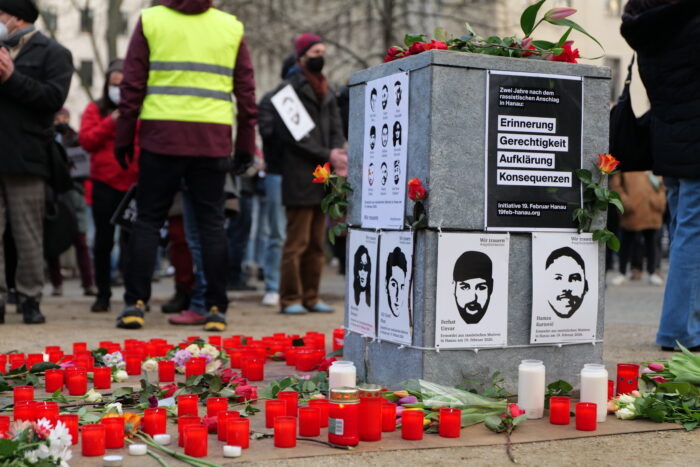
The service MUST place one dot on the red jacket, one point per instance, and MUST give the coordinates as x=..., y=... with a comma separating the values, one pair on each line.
x=96, y=136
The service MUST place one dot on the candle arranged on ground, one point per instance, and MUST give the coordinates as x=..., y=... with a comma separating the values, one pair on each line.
x=594, y=388
x=412, y=425
x=274, y=409
x=71, y=422
x=182, y=422
x=24, y=410
x=232, y=451
x=611, y=389
x=166, y=371
x=216, y=405
x=23, y=393
x=102, y=377
x=627, y=377
x=343, y=416
x=370, y=412
x=559, y=410
x=154, y=421
x=93, y=440
x=531, y=388
x=388, y=416
x=133, y=364
x=586, y=414
x=79, y=347
x=114, y=432
x=222, y=419
x=322, y=405
x=76, y=381
x=33, y=359
x=291, y=398
x=255, y=368
x=450, y=423
x=4, y=425
x=338, y=339
x=342, y=374
x=187, y=404
x=53, y=380
x=309, y=421
x=285, y=432
x=238, y=432
x=196, y=440
x=47, y=410
x=195, y=366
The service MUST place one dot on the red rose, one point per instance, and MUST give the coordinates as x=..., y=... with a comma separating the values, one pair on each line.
x=325, y=364
x=437, y=45
x=416, y=192
x=394, y=53
x=515, y=410
x=416, y=48
x=169, y=390
x=247, y=392
x=568, y=55
x=227, y=374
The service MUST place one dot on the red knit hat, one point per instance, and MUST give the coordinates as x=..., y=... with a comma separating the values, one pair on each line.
x=304, y=42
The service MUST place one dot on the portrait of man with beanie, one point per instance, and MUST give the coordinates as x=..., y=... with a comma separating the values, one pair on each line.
x=472, y=276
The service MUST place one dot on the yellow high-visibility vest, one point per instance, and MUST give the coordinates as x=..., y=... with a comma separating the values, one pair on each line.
x=192, y=57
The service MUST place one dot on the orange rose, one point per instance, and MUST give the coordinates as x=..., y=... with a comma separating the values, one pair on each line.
x=132, y=423
x=607, y=163
x=416, y=192
x=322, y=173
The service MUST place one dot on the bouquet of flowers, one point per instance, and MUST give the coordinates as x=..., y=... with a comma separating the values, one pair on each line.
x=215, y=359
x=35, y=444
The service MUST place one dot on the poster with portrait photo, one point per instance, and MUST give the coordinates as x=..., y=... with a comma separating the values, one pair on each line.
x=361, y=279
x=384, y=152
x=395, y=322
x=471, y=307
x=564, y=288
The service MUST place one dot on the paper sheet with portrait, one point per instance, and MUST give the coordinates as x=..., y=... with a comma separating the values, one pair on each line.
x=384, y=152
x=471, y=306
x=361, y=284
x=394, y=287
x=564, y=288
x=293, y=113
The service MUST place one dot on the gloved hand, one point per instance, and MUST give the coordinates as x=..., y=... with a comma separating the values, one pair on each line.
x=124, y=155
x=241, y=161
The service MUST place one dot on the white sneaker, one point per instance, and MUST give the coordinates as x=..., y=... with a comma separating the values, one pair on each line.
x=655, y=279
x=619, y=279
x=271, y=299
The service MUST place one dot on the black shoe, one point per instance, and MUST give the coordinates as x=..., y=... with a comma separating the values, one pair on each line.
x=132, y=316
x=261, y=274
x=2, y=314
x=101, y=304
x=30, y=311
x=666, y=348
x=215, y=322
x=12, y=297
x=179, y=302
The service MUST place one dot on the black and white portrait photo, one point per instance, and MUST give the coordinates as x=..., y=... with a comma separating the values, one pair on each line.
x=370, y=174
x=394, y=283
x=397, y=171
x=362, y=270
x=361, y=280
x=473, y=284
x=397, y=133
x=385, y=96
x=385, y=135
x=397, y=92
x=396, y=273
x=385, y=173
x=566, y=274
x=373, y=99
x=372, y=137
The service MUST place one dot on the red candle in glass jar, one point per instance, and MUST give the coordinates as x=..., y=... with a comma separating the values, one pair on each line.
x=291, y=398
x=222, y=418
x=16, y=360
x=627, y=377
x=53, y=380
x=182, y=422
x=102, y=377
x=215, y=341
x=79, y=347
x=187, y=404
x=338, y=339
x=71, y=422
x=3, y=364
x=256, y=369
x=76, y=381
x=309, y=421
x=196, y=440
x=586, y=415
x=450, y=422
x=343, y=417
x=238, y=432
x=133, y=364
x=114, y=432
x=370, y=422
x=47, y=410
x=166, y=371
x=216, y=405
x=236, y=358
x=611, y=389
x=412, y=425
x=285, y=432
x=305, y=359
x=23, y=393
x=24, y=410
x=33, y=359
x=154, y=421
x=388, y=416
x=559, y=410
x=290, y=355
x=274, y=409
x=93, y=440
x=322, y=405
x=55, y=356
x=4, y=425
x=195, y=366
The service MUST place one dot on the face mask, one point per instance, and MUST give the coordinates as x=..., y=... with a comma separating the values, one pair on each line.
x=4, y=33
x=315, y=64
x=114, y=94
x=61, y=127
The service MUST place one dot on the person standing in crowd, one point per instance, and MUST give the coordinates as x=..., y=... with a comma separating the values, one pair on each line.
x=35, y=76
x=671, y=80
x=184, y=61
x=302, y=257
x=110, y=182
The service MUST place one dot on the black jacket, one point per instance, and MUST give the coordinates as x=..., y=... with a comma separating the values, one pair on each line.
x=667, y=40
x=300, y=158
x=28, y=101
x=273, y=148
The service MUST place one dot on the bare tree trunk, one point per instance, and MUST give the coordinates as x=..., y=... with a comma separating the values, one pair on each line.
x=114, y=24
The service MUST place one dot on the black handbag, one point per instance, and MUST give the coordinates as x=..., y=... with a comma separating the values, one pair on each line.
x=629, y=135
x=60, y=225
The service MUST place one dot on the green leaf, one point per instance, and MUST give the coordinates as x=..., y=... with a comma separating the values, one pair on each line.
x=410, y=39
x=331, y=236
x=613, y=243
x=584, y=175
x=8, y=447
x=571, y=24
x=543, y=45
x=618, y=204
x=527, y=19
x=599, y=235
x=440, y=34
x=564, y=37
x=43, y=366
x=493, y=423
x=690, y=426
x=519, y=420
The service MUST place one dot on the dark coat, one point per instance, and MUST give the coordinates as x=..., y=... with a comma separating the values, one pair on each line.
x=300, y=158
x=667, y=41
x=29, y=99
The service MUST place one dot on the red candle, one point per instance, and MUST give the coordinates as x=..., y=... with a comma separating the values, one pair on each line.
x=627, y=377
x=182, y=422
x=450, y=423
x=290, y=355
x=52, y=348
x=305, y=359
x=71, y=422
x=274, y=409
x=559, y=410
x=611, y=389
x=322, y=405
x=4, y=425
x=291, y=398
x=93, y=440
x=47, y=410
x=222, y=420
x=216, y=405
x=187, y=404
x=309, y=421
x=215, y=341
x=344, y=413
x=236, y=358
x=285, y=432
x=55, y=356
x=114, y=432
x=102, y=377
x=166, y=371
x=33, y=359
x=24, y=410
x=76, y=381
x=255, y=369
x=193, y=338
x=79, y=347
x=133, y=364
x=16, y=360
x=370, y=421
x=338, y=339
x=154, y=421
x=412, y=425
x=53, y=380
x=586, y=414
x=196, y=440
x=238, y=432
x=388, y=416
x=23, y=393
x=195, y=366
x=3, y=364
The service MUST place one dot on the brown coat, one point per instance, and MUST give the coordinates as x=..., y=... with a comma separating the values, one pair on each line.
x=644, y=204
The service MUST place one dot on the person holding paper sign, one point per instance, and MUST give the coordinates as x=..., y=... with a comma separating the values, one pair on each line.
x=302, y=256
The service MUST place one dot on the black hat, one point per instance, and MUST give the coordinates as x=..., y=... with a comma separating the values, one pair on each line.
x=25, y=10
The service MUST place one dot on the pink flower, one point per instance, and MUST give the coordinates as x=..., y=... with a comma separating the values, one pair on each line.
x=515, y=410
x=247, y=392
x=210, y=423
x=227, y=374
x=657, y=367
x=556, y=14
x=169, y=390
x=659, y=379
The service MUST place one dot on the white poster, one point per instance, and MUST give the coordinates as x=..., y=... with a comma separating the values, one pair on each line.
x=472, y=290
x=362, y=281
x=394, y=287
x=384, y=152
x=564, y=288
x=293, y=112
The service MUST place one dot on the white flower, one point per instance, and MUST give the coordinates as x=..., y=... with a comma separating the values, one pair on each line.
x=93, y=396
x=114, y=407
x=213, y=366
x=120, y=376
x=149, y=365
x=113, y=359
x=60, y=438
x=32, y=457
x=209, y=349
x=626, y=399
x=625, y=413
x=193, y=349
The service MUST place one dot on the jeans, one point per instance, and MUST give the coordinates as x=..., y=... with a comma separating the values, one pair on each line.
x=192, y=234
x=238, y=233
x=680, y=316
x=255, y=254
x=277, y=229
x=160, y=178
x=105, y=201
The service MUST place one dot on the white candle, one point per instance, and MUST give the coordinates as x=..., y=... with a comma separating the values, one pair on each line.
x=112, y=461
x=232, y=451
x=138, y=449
x=594, y=388
x=163, y=439
x=342, y=374
x=531, y=388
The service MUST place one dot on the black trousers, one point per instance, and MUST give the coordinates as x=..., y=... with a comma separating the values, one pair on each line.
x=160, y=178
x=105, y=201
x=633, y=251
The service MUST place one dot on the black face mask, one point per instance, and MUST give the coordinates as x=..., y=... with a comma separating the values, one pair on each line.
x=61, y=127
x=315, y=64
